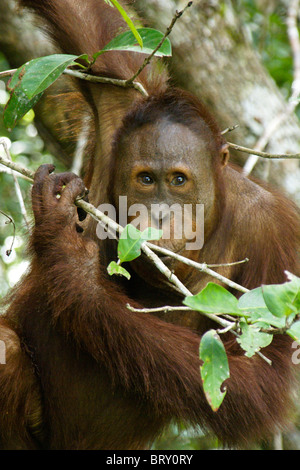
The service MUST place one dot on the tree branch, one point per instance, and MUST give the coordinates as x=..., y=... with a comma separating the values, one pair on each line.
x=10, y=221
x=147, y=60
x=3, y=142
x=221, y=321
x=111, y=81
x=263, y=154
x=91, y=78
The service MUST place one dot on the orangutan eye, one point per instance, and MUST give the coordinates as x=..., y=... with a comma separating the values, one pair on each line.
x=178, y=180
x=146, y=179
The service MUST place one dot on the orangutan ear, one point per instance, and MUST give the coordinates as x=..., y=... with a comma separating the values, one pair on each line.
x=224, y=154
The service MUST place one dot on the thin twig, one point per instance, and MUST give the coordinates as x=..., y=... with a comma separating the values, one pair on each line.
x=109, y=81
x=167, y=308
x=203, y=267
x=263, y=154
x=278, y=440
x=264, y=358
x=233, y=263
x=91, y=78
x=165, y=270
x=18, y=175
x=229, y=129
x=10, y=221
x=7, y=73
x=19, y=168
x=226, y=329
x=17, y=186
x=147, y=60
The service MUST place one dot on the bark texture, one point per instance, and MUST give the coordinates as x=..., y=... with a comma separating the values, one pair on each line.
x=213, y=58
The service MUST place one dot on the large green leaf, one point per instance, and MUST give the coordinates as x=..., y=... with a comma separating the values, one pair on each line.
x=252, y=300
x=127, y=42
x=253, y=303
x=215, y=368
x=42, y=72
x=30, y=81
x=213, y=299
x=283, y=299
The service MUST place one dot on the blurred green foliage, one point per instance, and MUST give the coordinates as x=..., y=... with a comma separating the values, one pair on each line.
x=27, y=149
x=265, y=20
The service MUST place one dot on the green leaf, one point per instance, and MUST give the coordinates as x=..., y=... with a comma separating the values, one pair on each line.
x=17, y=106
x=40, y=73
x=131, y=240
x=129, y=246
x=30, y=81
x=252, y=300
x=252, y=340
x=254, y=304
x=265, y=316
x=127, y=42
x=294, y=331
x=115, y=268
x=215, y=368
x=128, y=21
x=283, y=299
x=213, y=299
x=151, y=233
x=295, y=282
